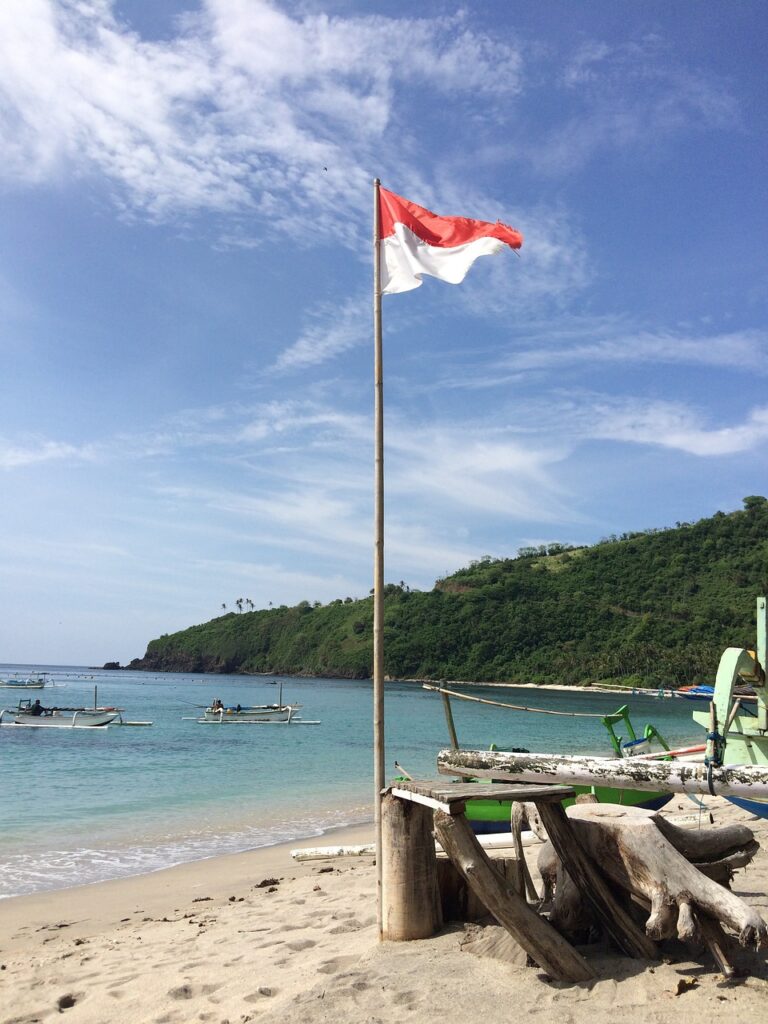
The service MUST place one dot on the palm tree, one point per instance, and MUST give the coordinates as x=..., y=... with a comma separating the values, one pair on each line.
x=223, y=605
x=239, y=603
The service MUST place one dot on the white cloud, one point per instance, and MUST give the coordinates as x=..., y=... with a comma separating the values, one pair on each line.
x=678, y=427
x=634, y=95
x=743, y=350
x=241, y=111
x=18, y=456
x=336, y=329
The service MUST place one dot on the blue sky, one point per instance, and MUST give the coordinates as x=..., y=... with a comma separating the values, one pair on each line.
x=185, y=287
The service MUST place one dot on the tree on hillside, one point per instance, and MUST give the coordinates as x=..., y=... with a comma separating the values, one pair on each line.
x=754, y=501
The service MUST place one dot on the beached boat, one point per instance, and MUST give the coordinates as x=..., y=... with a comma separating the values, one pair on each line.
x=34, y=682
x=488, y=816
x=732, y=762
x=27, y=715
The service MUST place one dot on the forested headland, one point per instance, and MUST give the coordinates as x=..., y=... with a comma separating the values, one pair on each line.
x=652, y=608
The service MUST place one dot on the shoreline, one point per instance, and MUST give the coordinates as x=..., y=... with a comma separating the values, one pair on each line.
x=317, y=835
x=107, y=901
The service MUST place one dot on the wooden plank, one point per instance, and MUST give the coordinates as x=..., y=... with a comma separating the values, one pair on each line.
x=537, y=937
x=631, y=939
x=447, y=794
x=450, y=807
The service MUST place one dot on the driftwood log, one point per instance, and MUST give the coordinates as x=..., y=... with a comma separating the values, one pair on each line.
x=648, y=857
x=543, y=943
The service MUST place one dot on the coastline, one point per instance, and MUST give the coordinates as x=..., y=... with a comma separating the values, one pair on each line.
x=104, y=904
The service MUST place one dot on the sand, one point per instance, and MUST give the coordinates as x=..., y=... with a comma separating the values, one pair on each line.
x=259, y=937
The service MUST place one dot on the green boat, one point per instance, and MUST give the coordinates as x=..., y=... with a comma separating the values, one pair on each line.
x=487, y=817
x=492, y=816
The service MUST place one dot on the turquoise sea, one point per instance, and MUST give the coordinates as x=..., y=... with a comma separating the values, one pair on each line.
x=82, y=805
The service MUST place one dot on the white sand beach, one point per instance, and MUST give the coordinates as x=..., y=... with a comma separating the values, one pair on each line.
x=259, y=937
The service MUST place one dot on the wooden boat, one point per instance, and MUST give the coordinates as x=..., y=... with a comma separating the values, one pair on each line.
x=35, y=682
x=253, y=714
x=26, y=716
x=488, y=816
x=736, y=721
x=733, y=762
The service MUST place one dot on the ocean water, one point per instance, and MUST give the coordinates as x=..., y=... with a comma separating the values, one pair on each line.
x=83, y=805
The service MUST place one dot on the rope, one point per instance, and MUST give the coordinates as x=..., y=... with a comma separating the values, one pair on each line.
x=512, y=707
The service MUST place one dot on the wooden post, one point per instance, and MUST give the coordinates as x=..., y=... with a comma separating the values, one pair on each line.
x=449, y=719
x=410, y=896
x=537, y=937
x=378, y=555
x=631, y=939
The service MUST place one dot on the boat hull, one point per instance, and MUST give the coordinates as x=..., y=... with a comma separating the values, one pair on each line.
x=756, y=807
x=488, y=817
x=79, y=720
x=250, y=716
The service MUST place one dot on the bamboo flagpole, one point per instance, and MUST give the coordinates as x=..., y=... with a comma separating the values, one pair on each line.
x=418, y=242
x=378, y=553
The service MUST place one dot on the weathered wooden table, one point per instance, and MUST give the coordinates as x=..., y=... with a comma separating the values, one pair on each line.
x=411, y=906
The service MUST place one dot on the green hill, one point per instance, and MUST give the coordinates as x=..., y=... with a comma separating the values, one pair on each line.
x=649, y=608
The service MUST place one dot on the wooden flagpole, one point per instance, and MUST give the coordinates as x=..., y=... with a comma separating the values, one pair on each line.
x=378, y=553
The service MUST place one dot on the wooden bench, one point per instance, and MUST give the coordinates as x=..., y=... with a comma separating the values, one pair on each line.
x=410, y=897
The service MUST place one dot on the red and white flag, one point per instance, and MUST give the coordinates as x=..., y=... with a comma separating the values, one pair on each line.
x=415, y=242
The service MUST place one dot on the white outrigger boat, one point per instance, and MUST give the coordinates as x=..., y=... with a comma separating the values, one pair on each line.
x=35, y=682
x=267, y=714
x=34, y=716
x=25, y=715
x=252, y=714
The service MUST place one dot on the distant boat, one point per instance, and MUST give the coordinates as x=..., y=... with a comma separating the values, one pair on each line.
x=253, y=714
x=35, y=682
x=706, y=692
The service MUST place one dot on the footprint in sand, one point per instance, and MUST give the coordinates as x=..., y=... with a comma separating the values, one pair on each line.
x=181, y=992
x=347, y=926
x=337, y=963
x=408, y=999
x=300, y=944
x=262, y=992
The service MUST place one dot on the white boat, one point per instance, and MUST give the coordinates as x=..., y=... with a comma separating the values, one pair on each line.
x=34, y=682
x=254, y=714
x=26, y=716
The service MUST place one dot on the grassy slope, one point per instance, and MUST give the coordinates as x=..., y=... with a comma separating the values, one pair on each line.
x=656, y=607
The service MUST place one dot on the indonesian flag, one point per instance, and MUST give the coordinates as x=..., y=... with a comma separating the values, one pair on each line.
x=415, y=242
